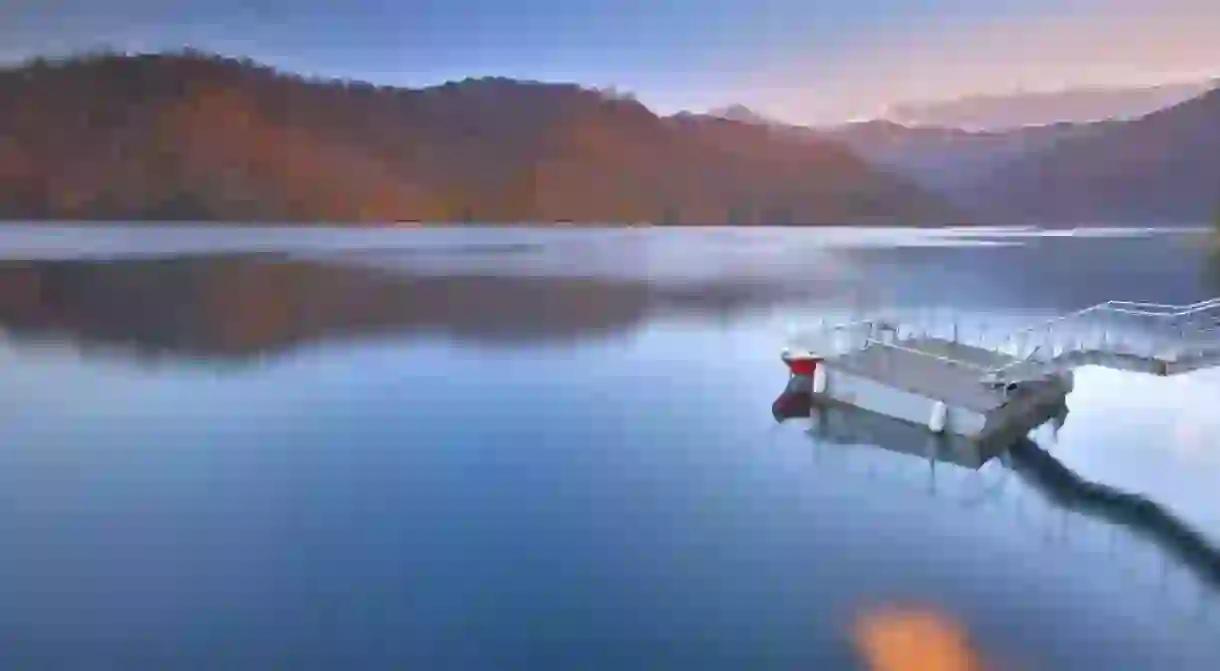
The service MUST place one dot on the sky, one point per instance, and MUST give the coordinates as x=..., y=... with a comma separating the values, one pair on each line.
x=803, y=61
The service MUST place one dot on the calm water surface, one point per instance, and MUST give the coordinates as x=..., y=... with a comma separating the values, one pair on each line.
x=530, y=449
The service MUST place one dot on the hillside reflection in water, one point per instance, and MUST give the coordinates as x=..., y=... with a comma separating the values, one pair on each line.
x=257, y=461
x=230, y=307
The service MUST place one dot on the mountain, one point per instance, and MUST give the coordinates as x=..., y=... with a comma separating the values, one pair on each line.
x=941, y=159
x=1003, y=112
x=741, y=113
x=933, y=157
x=1163, y=167
x=192, y=136
x=945, y=159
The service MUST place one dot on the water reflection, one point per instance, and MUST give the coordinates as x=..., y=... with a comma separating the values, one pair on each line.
x=237, y=305
x=1211, y=266
x=1047, y=272
x=840, y=424
x=1140, y=514
x=393, y=505
x=981, y=478
x=244, y=305
x=905, y=637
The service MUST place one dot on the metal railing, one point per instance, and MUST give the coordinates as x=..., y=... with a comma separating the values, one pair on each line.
x=835, y=339
x=1161, y=332
x=1167, y=333
x=1152, y=310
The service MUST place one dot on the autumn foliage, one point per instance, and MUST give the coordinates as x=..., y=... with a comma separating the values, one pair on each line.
x=193, y=136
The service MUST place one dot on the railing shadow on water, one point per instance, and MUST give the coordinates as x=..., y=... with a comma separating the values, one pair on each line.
x=979, y=477
x=1065, y=488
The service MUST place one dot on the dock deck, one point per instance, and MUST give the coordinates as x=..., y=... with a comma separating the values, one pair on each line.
x=1001, y=391
x=907, y=379
x=933, y=367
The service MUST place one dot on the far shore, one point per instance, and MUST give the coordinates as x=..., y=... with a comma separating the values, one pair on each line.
x=373, y=225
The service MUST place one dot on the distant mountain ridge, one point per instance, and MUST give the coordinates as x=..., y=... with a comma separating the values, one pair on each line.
x=1156, y=169
x=737, y=112
x=948, y=159
x=940, y=158
x=1017, y=110
x=201, y=137
x=1163, y=167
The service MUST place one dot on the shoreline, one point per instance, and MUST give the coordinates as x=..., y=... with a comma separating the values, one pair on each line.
x=219, y=224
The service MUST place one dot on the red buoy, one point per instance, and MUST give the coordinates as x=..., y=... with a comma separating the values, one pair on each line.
x=801, y=364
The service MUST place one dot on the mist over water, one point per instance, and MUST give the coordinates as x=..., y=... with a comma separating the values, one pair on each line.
x=501, y=448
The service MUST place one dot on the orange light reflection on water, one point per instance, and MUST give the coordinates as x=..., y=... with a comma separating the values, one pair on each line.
x=913, y=638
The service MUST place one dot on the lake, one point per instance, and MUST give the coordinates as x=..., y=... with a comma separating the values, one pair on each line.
x=501, y=448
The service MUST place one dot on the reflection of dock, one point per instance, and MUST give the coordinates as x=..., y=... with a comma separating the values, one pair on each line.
x=904, y=455
x=843, y=423
x=999, y=390
x=1142, y=515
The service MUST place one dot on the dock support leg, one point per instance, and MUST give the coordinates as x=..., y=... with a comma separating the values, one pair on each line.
x=940, y=412
x=819, y=379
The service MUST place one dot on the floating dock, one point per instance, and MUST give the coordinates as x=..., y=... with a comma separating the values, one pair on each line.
x=939, y=384
x=837, y=423
x=995, y=393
